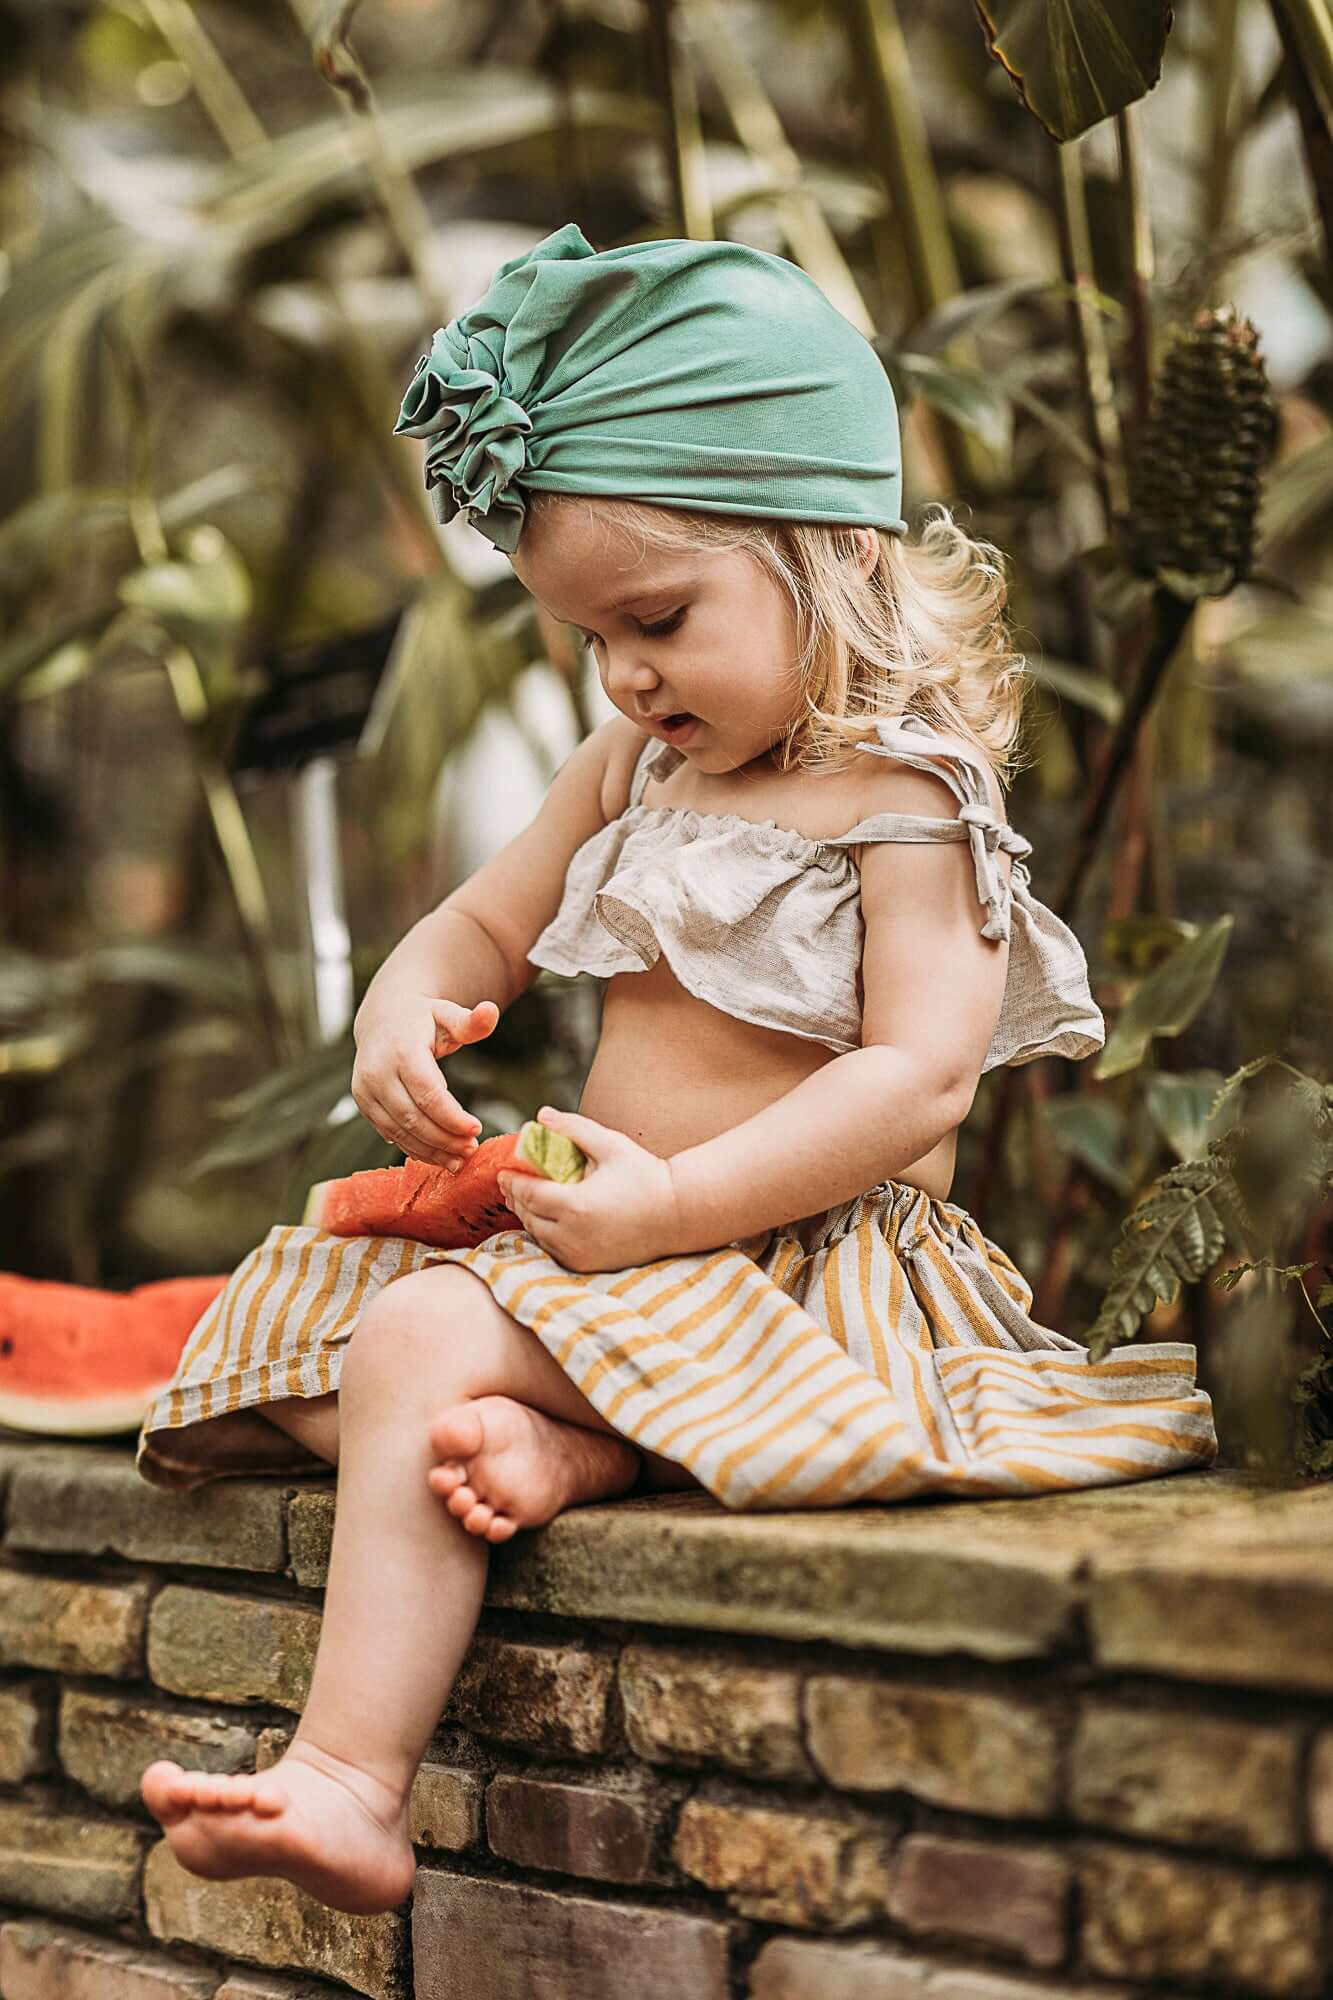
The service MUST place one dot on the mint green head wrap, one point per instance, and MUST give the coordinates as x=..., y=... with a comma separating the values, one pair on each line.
x=695, y=375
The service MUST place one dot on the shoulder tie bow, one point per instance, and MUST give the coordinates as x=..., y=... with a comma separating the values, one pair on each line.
x=989, y=836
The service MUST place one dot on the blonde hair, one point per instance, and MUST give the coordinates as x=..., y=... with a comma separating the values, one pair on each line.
x=924, y=633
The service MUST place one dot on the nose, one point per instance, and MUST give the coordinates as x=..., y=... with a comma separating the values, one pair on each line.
x=628, y=681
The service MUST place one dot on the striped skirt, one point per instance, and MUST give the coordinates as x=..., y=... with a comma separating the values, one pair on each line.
x=877, y=1351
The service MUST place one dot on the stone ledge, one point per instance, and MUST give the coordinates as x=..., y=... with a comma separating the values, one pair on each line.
x=89, y=1500
x=1000, y=1580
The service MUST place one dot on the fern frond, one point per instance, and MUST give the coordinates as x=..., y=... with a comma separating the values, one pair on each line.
x=1178, y=1232
x=1237, y=1079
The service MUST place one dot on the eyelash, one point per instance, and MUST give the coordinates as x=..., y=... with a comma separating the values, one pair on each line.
x=661, y=630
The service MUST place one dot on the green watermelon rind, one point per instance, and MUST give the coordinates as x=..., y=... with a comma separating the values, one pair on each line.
x=553, y=1154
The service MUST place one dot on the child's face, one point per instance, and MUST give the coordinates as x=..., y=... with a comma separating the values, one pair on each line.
x=699, y=630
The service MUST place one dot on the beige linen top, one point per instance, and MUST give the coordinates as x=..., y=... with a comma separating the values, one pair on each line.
x=766, y=924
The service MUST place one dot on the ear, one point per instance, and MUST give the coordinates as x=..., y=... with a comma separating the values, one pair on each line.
x=867, y=547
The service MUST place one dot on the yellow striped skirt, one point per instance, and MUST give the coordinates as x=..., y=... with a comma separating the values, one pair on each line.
x=876, y=1351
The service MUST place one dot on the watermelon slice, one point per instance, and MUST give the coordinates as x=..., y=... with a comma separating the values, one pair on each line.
x=431, y=1205
x=79, y=1362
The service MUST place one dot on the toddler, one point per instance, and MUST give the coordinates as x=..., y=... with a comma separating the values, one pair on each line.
x=786, y=858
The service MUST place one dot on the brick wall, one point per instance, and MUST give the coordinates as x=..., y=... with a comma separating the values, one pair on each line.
x=1035, y=1750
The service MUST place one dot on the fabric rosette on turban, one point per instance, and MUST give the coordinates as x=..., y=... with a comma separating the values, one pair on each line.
x=476, y=432
x=695, y=375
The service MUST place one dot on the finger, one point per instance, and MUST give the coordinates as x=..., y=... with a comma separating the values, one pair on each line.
x=454, y=1156
x=427, y=1097
x=457, y=1025
x=599, y=1142
x=533, y=1194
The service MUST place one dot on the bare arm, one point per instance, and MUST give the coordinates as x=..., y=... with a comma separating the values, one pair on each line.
x=447, y=982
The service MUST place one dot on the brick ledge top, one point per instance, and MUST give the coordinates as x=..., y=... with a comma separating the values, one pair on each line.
x=1217, y=1575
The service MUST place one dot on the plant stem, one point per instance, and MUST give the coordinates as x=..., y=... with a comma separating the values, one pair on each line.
x=1170, y=616
x=219, y=94
x=404, y=210
x=760, y=132
x=1314, y=123
x=1088, y=333
x=682, y=133
x=900, y=145
x=1300, y=1280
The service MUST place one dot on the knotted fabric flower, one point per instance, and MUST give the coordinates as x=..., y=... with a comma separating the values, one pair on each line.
x=698, y=375
x=476, y=433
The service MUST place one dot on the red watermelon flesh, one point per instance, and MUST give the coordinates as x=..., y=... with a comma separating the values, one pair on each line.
x=424, y=1202
x=76, y=1361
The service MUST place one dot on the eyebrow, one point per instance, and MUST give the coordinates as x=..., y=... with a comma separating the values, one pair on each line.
x=669, y=587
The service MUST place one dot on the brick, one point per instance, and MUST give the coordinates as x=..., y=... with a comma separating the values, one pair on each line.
x=1321, y=1793
x=811, y=1870
x=1199, y=1779
x=959, y=1982
x=694, y=1708
x=43, y=1961
x=91, y=1501
x=1160, y=1916
x=268, y=1922
x=444, y=1808
x=232, y=1649
x=69, y=1866
x=980, y=1753
x=1012, y=1898
x=107, y=1742
x=551, y=1697
x=275, y=1986
x=72, y=1627
x=26, y=1731
x=790, y=1968
x=310, y=1534
x=576, y=1829
x=509, y=1941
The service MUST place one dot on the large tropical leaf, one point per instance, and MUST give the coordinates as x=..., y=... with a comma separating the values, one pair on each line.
x=1168, y=999
x=1077, y=61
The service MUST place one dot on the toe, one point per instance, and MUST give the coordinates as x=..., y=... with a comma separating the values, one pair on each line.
x=461, y=1501
x=163, y=1792
x=479, y=1519
x=501, y=1529
x=209, y=1792
x=457, y=1432
x=444, y=1478
x=237, y=1794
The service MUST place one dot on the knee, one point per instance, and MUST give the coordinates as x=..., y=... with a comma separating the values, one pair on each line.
x=411, y=1326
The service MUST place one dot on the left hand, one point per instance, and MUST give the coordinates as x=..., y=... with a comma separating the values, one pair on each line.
x=623, y=1212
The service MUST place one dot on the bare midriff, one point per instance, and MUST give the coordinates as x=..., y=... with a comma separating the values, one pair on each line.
x=706, y=1073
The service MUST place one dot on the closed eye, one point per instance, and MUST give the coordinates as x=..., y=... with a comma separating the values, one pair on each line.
x=665, y=626
x=661, y=630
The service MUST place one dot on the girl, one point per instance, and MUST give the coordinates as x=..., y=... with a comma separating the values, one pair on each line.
x=810, y=956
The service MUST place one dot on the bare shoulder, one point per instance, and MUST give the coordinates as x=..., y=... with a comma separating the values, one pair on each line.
x=888, y=786
x=624, y=745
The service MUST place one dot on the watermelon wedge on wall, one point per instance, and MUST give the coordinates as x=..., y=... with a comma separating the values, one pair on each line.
x=79, y=1362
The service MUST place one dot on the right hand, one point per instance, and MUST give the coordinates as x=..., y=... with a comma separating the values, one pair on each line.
x=397, y=1086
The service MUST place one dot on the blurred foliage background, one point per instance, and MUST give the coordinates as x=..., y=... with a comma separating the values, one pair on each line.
x=260, y=712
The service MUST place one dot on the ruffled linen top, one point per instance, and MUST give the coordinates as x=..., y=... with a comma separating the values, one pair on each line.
x=766, y=925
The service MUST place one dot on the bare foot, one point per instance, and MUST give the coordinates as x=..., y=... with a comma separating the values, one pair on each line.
x=505, y=1466
x=319, y=1822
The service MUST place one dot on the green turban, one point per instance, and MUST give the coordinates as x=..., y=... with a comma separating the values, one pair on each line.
x=696, y=375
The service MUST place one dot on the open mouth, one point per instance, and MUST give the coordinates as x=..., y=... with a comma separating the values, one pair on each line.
x=676, y=725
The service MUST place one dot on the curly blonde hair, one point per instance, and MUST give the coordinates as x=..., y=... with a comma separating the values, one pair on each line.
x=924, y=632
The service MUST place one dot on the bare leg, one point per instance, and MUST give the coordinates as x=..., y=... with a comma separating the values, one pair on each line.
x=405, y=1586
